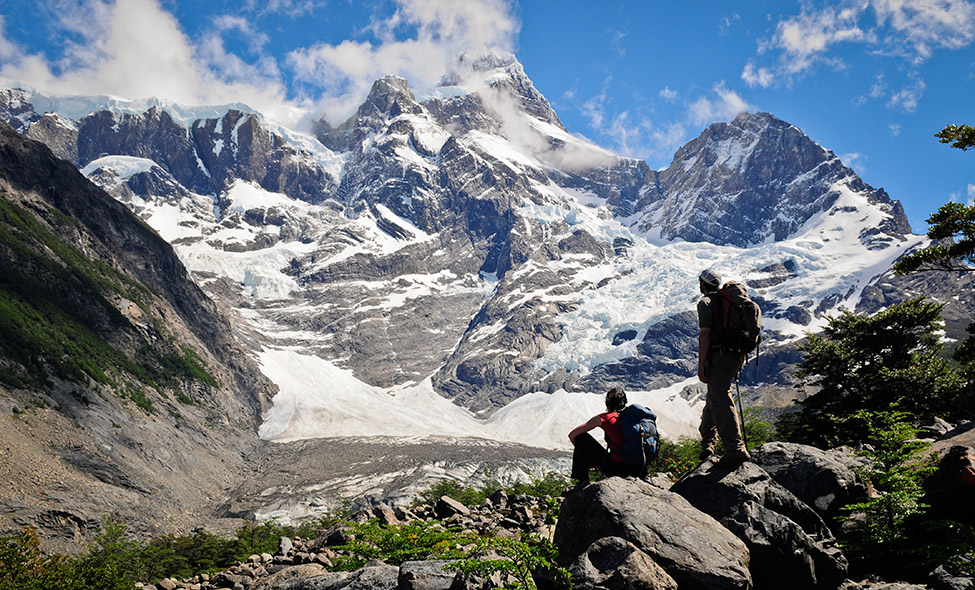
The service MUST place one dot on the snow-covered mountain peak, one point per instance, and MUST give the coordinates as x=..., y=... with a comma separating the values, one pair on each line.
x=753, y=180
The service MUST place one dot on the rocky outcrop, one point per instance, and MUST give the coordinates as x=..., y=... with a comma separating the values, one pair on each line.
x=693, y=548
x=789, y=544
x=823, y=480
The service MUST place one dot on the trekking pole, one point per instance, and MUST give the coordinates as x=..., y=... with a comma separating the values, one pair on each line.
x=741, y=413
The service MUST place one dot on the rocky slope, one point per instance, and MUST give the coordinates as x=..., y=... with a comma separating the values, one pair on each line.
x=124, y=391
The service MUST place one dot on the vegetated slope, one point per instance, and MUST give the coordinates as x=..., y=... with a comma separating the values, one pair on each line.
x=122, y=389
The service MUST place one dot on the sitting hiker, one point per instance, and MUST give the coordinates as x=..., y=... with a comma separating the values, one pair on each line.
x=589, y=454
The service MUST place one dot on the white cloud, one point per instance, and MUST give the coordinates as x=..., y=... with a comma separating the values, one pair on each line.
x=916, y=26
x=725, y=106
x=908, y=98
x=725, y=24
x=895, y=129
x=668, y=94
x=136, y=49
x=971, y=191
x=444, y=30
x=229, y=23
x=292, y=8
x=616, y=42
x=910, y=29
x=754, y=76
x=855, y=160
x=806, y=39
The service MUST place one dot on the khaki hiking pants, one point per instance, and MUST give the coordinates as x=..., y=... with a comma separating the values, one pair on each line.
x=719, y=417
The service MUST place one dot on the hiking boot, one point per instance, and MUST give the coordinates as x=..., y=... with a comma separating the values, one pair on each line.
x=736, y=456
x=705, y=454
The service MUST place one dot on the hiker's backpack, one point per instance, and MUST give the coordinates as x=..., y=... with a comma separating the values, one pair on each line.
x=737, y=323
x=641, y=442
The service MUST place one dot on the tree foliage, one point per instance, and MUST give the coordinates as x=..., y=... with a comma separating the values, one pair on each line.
x=959, y=136
x=891, y=359
x=954, y=226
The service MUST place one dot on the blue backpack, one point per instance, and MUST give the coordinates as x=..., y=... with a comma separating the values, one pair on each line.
x=641, y=441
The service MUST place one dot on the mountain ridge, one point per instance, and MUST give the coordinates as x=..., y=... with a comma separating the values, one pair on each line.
x=465, y=232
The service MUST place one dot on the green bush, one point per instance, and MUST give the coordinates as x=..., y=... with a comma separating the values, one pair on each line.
x=551, y=484
x=395, y=544
x=107, y=565
x=519, y=561
x=678, y=458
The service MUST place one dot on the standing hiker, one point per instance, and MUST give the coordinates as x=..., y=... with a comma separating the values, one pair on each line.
x=717, y=367
x=588, y=453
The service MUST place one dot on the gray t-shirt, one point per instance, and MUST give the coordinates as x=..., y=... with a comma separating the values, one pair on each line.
x=705, y=310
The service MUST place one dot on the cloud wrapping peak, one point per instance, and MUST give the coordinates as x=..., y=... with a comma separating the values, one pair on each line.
x=444, y=30
x=726, y=106
x=136, y=49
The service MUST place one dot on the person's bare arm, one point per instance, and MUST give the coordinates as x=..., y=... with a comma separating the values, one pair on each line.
x=592, y=423
x=703, y=347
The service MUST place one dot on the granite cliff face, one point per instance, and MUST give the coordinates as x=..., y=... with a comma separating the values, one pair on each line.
x=467, y=238
x=754, y=179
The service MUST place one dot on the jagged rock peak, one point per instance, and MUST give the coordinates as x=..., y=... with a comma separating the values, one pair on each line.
x=15, y=108
x=766, y=167
x=390, y=95
x=467, y=64
x=502, y=72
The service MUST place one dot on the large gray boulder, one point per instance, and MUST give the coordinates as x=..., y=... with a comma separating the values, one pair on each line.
x=613, y=563
x=949, y=578
x=425, y=575
x=825, y=480
x=694, y=549
x=790, y=545
x=381, y=577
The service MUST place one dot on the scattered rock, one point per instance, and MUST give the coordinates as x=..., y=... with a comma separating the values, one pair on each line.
x=425, y=575
x=945, y=578
x=447, y=507
x=694, y=549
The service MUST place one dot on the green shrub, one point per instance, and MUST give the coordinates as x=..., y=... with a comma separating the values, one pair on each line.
x=551, y=484
x=395, y=544
x=678, y=458
x=892, y=359
x=467, y=495
x=519, y=561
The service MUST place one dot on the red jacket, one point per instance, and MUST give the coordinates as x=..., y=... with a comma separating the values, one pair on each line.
x=614, y=434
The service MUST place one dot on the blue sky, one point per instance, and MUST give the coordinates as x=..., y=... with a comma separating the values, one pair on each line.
x=872, y=80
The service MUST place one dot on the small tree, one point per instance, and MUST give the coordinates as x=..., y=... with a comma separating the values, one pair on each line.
x=895, y=472
x=863, y=362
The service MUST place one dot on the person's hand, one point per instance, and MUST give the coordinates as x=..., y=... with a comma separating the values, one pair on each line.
x=702, y=375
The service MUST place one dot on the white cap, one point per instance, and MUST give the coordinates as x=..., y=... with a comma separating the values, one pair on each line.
x=710, y=277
